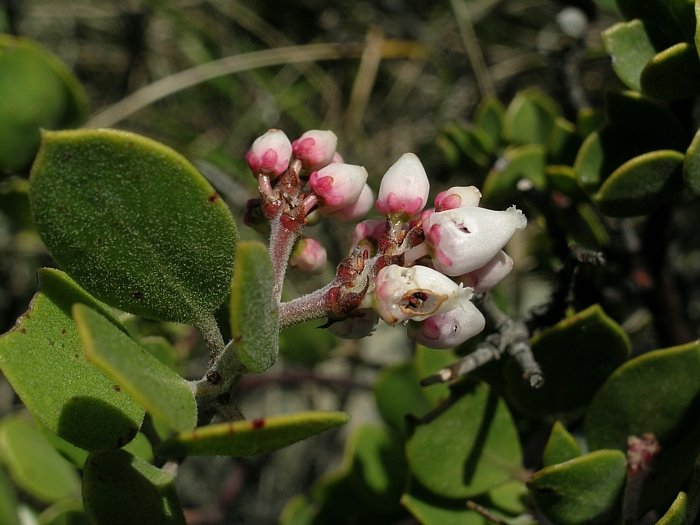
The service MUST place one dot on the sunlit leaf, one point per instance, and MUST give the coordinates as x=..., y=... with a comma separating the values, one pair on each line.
x=250, y=438
x=162, y=392
x=672, y=74
x=42, y=358
x=630, y=49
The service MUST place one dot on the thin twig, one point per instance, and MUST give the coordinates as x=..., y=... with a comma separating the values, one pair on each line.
x=234, y=64
x=471, y=44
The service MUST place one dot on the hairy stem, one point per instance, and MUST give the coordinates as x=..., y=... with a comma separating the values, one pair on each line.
x=306, y=308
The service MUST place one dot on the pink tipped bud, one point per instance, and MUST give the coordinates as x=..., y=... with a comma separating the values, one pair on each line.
x=337, y=159
x=415, y=293
x=358, y=209
x=308, y=256
x=449, y=329
x=489, y=275
x=338, y=185
x=404, y=188
x=457, y=197
x=367, y=233
x=315, y=149
x=465, y=239
x=360, y=323
x=269, y=154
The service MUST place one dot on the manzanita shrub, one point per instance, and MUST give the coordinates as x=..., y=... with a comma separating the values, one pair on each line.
x=139, y=233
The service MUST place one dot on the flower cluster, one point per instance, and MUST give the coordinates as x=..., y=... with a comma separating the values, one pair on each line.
x=415, y=266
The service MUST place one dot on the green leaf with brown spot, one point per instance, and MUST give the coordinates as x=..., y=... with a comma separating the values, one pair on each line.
x=42, y=358
x=250, y=438
x=119, y=488
x=585, y=490
x=642, y=184
x=162, y=392
x=254, y=314
x=134, y=223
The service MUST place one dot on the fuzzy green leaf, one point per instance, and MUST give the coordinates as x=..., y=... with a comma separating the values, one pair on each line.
x=119, y=488
x=162, y=392
x=34, y=464
x=469, y=447
x=489, y=116
x=431, y=509
x=635, y=400
x=576, y=355
x=684, y=508
x=642, y=184
x=134, y=223
x=691, y=166
x=585, y=490
x=250, y=438
x=564, y=142
x=561, y=446
x=630, y=49
x=672, y=74
x=254, y=316
x=42, y=358
x=36, y=91
x=8, y=501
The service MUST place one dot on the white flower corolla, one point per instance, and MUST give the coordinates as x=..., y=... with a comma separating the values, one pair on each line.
x=315, y=149
x=415, y=293
x=465, y=239
x=489, y=275
x=337, y=186
x=449, y=329
x=360, y=323
x=457, y=197
x=404, y=188
x=270, y=154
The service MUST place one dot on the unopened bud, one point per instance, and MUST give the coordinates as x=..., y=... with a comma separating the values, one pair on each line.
x=489, y=275
x=315, y=149
x=404, y=188
x=367, y=232
x=457, y=197
x=360, y=323
x=270, y=154
x=449, y=329
x=338, y=185
x=308, y=256
x=357, y=209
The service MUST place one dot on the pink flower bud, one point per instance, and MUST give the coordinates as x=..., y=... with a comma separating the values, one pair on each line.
x=415, y=293
x=360, y=323
x=404, y=188
x=315, y=149
x=367, y=233
x=338, y=185
x=269, y=154
x=489, y=275
x=457, y=197
x=358, y=209
x=337, y=159
x=308, y=256
x=449, y=329
x=465, y=239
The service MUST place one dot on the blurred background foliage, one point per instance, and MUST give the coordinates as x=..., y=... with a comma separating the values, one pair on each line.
x=391, y=76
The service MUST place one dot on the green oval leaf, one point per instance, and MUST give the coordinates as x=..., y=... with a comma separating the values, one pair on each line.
x=630, y=49
x=134, y=223
x=431, y=509
x=564, y=142
x=250, y=438
x=489, y=116
x=672, y=74
x=587, y=489
x=642, y=184
x=162, y=392
x=254, y=315
x=119, y=488
x=469, y=447
x=669, y=411
x=524, y=162
x=691, y=166
x=36, y=91
x=34, y=464
x=673, y=17
x=561, y=446
x=576, y=355
x=8, y=501
x=42, y=358
x=530, y=118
